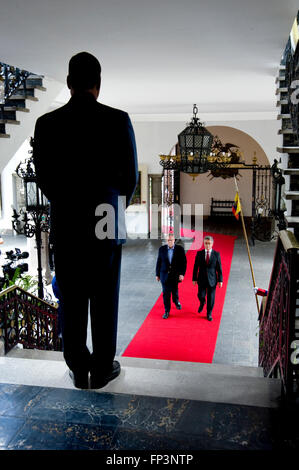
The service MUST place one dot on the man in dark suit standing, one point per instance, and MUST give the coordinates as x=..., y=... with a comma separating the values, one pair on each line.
x=207, y=273
x=170, y=270
x=86, y=164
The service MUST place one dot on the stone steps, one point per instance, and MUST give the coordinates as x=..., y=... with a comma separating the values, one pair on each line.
x=17, y=97
x=281, y=90
x=287, y=149
x=16, y=108
x=280, y=78
x=9, y=121
x=180, y=380
x=292, y=221
x=148, y=363
x=291, y=195
x=291, y=171
x=281, y=102
x=285, y=131
x=33, y=87
x=17, y=102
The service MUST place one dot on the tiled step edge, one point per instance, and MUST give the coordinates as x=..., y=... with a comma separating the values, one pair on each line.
x=188, y=385
x=225, y=369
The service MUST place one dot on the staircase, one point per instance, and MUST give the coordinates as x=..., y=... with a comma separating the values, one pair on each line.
x=289, y=148
x=14, y=97
x=17, y=103
x=152, y=405
x=238, y=385
x=23, y=98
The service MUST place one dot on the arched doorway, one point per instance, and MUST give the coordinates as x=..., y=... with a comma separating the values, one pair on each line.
x=202, y=188
x=211, y=189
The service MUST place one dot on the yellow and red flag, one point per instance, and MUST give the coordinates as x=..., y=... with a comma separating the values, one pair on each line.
x=236, y=208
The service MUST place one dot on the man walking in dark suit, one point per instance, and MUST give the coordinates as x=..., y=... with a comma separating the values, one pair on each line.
x=79, y=171
x=207, y=273
x=170, y=270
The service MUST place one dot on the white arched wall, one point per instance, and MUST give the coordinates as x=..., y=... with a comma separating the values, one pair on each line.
x=204, y=187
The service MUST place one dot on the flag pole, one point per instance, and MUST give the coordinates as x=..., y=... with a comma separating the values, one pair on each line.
x=247, y=244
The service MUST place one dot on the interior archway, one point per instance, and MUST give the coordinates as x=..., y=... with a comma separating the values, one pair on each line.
x=201, y=189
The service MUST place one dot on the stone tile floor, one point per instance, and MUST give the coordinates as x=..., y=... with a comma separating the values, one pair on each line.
x=46, y=418
x=42, y=418
x=237, y=341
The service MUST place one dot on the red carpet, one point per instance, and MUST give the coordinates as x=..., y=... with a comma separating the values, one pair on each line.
x=185, y=335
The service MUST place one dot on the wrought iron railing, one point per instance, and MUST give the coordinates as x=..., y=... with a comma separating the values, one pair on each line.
x=11, y=78
x=279, y=329
x=26, y=319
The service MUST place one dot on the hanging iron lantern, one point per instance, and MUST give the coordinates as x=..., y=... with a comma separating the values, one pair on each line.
x=195, y=143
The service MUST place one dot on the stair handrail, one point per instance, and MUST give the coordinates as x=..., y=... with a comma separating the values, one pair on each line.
x=277, y=320
x=11, y=78
x=28, y=320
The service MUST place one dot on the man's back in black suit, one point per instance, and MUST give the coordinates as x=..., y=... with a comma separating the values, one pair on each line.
x=75, y=162
x=78, y=170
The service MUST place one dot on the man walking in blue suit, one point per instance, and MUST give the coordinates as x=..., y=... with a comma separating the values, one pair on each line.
x=79, y=171
x=170, y=270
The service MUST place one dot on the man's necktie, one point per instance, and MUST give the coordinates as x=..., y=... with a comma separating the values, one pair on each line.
x=208, y=258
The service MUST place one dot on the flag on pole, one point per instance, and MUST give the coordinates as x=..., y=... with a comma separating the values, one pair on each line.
x=259, y=291
x=236, y=208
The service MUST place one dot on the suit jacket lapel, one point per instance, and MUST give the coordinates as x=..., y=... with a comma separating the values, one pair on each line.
x=166, y=255
x=174, y=252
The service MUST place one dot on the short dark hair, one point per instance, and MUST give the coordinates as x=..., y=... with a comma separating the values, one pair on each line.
x=84, y=72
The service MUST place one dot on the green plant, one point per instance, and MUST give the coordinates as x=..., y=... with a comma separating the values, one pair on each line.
x=25, y=281
x=28, y=283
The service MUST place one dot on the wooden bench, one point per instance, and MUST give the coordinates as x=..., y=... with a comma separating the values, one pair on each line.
x=221, y=207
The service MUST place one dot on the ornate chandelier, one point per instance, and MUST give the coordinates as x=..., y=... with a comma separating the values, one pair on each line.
x=200, y=152
x=195, y=143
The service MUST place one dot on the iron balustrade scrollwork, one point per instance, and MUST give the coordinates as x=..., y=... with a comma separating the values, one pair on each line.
x=267, y=188
x=28, y=320
x=278, y=328
x=11, y=78
x=36, y=218
x=266, y=201
x=291, y=59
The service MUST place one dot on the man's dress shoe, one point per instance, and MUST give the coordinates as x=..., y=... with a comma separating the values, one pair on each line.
x=99, y=382
x=200, y=308
x=166, y=315
x=178, y=306
x=210, y=317
x=79, y=380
